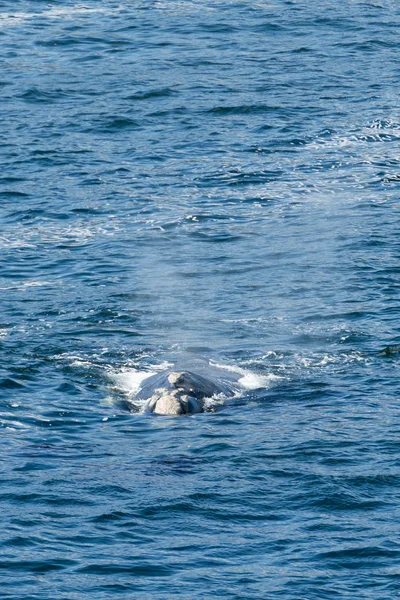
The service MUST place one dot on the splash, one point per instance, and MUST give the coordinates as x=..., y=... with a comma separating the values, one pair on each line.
x=249, y=380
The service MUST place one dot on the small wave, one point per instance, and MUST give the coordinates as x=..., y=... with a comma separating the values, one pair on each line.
x=236, y=177
x=115, y=124
x=11, y=384
x=35, y=95
x=155, y=93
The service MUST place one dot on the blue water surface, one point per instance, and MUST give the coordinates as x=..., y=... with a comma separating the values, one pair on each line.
x=200, y=178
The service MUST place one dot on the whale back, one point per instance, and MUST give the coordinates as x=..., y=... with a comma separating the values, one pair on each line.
x=192, y=384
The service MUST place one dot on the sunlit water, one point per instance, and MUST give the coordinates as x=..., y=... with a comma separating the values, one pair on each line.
x=187, y=180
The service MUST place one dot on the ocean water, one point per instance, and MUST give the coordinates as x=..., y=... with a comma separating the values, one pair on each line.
x=214, y=180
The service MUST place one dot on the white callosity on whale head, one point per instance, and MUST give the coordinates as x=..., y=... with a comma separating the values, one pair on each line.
x=175, y=378
x=164, y=403
x=175, y=402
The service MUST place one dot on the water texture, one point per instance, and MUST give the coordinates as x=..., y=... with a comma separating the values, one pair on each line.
x=200, y=179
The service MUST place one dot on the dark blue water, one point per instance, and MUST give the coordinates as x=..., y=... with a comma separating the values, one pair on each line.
x=214, y=179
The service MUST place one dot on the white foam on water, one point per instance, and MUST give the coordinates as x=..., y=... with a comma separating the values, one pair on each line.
x=130, y=381
x=48, y=232
x=211, y=403
x=254, y=381
x=162, y=366
x=9, y=19
x=72, y=12
x=13, y=425
x=36, y=283
x=7, y=243
x=248, y=379
x=81, y=363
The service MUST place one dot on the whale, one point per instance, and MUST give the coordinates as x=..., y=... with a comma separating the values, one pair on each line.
x=183, y=392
